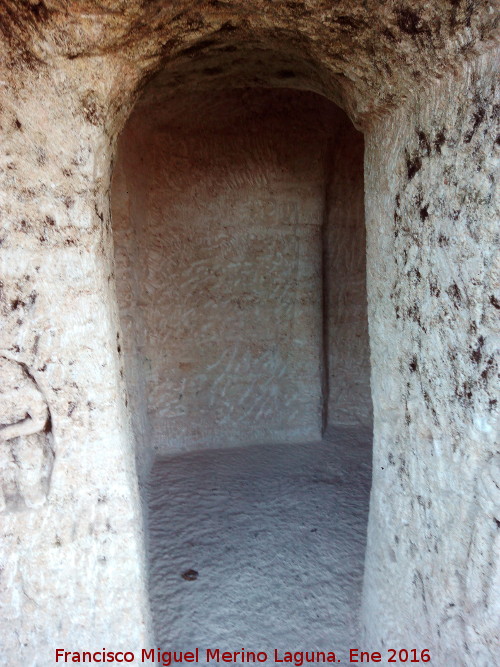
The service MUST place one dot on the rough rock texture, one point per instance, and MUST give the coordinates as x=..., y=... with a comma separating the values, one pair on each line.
x=27, y=452
x=73, y=570
x=72, y=567
x=254, y=523
x=344, y=269
x=433, y=308
x=219, y=226
x=366, y=56
x=226, y=218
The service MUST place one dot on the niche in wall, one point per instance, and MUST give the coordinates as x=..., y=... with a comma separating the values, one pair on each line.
x=221, y=213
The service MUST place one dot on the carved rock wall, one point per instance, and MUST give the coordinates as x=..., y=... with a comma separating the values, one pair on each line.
x=345, y=303
x=26, y=442
x=71, y=544
x=73, y=569
x=433, y=308
x=218, y=242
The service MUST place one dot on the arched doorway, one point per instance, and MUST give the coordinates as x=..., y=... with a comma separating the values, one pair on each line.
x=240, y=265
x=422, y=83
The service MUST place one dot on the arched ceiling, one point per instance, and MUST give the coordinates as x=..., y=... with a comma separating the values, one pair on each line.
x=366, y=55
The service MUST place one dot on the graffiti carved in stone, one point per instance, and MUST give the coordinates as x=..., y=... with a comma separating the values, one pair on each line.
x=26, y=443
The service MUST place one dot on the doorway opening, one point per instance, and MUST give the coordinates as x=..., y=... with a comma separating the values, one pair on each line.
x=240, y=262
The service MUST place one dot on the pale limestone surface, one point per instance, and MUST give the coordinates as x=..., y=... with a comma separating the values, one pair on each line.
x=219, y=236
x=226, y=216
x=419, y=80
x=26, y=450
x=72, y=569
x=344, y=269
x=276, y=534
x=433, y=310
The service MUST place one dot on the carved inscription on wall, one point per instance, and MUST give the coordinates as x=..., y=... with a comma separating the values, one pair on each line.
x=26, y=442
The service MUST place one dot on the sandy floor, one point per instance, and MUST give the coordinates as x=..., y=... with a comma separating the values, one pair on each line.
x=275, y=537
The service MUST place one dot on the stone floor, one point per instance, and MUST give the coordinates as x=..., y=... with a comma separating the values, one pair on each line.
x=260, y=548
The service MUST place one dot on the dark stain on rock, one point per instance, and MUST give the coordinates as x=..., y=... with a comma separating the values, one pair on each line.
x=455, y=294
x=197, y=47
x=413, y=165
x=490, y=363
x=99, y=214
x=228, y=27
x=48, y=425
x=495, y=302
x=461, y=15
x=387, y=32
x=414, y=314
x=434, y=289
x=469, y=10
x=348, y=21
x=439, y=141
x=410, y=22
x=429, y=406
x=298, y=9
x=424, y=212
x=453, y=17
x=423, y=142
x=464, y=392
x=476, y=354
x=40, y=11
x=477, y=119
x=413, y=364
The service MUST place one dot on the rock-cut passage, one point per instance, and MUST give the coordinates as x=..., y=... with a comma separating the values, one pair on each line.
x=260, y=548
